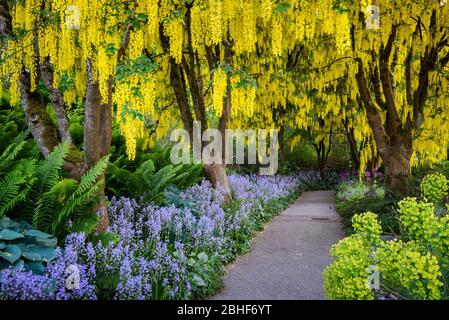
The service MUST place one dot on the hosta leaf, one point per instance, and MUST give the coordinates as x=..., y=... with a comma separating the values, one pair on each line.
x=50, y=242
x=18, y=265
x=6, y=222
x=36, y=267
x=38, y=234
x=38, y=253
x=8, y=234
x=11, y=253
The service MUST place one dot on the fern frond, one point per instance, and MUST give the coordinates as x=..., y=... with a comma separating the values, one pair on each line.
x=90, y=178
x=10, y=194
x=48, y=172
x=51, y=202
x=85, y=193
x=146, y=168
x=14, y=148
x=72, y=205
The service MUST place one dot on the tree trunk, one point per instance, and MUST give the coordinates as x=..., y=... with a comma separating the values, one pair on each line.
x=394, y=143
x=97, y=135
x=216, y=174
x=353, y=146
x=5, y=19
x=397, y=171
x=190, y=69
x=37, y=118
x=57, y=101
x=282, y=146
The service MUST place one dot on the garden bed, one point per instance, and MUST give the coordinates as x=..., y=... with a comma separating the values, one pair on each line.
x=177, y=251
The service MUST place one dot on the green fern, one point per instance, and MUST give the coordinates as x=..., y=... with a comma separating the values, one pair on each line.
x=85, y=193
x=51, y=202
x=9, y=191
x=47, y=173
x=12, y=151
x=17, y=182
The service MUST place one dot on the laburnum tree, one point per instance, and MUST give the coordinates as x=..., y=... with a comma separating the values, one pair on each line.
x=392, y=59
x=139, y=63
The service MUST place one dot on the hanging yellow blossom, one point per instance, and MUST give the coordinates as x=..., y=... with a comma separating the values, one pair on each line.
x=219, y=90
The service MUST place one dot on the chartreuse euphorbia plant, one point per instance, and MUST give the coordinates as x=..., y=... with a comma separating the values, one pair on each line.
x=414, y=267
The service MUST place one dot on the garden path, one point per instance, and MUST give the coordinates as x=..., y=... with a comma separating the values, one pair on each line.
x=290, y=255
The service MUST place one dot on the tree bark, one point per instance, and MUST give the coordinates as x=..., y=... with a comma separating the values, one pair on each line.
x=398, y=171
x=5, y=19
x=216, y=174
x=282, y=145
x=394, y=144
x=97, y=132
x=352, y=144
x=189, y=69
x=37, y=118
x=57, y=101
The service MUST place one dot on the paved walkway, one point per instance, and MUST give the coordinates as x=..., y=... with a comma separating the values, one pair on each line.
x=290, y=255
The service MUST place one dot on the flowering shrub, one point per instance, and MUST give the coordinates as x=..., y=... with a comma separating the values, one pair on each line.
x=160, y=252
x=422, y=225
x=346, y=277
x=434, y=187
x=411, y=272
x=408, y=269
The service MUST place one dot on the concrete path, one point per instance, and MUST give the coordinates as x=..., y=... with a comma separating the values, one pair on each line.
x=290, y=255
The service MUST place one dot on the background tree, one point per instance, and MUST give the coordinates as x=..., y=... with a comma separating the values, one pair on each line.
x=396, y=69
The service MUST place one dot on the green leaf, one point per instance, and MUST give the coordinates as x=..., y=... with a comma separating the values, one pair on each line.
x=18, y=265
x=203, y=257
x=36, y=267
x=282, y=7
x=38, y=234
x=6, y=222
x=106, y=238
x=196, y=279
x=11, y=253
x=38, y=253
x=8, y=234
x=86, y=224
x=50, y=242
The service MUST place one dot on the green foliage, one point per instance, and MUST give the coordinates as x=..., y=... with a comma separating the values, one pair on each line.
x=422, y=225
x=347, y=276
x=149, y=180
x=435, y=187
x=16, y=177
x=367, y=226
x=356, y=190
x=47, y=199
x=411, y=272
x=205, y=273
x=21, y=246
x=413, y=268
x=358, y=197
x=69, y=199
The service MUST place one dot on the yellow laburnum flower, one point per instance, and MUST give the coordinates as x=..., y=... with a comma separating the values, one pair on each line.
x=174, y=30
x=219, y=90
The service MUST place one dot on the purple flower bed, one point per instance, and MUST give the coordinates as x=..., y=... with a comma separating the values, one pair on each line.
x=150, y=258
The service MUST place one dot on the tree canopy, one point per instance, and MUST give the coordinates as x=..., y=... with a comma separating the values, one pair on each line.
x=376, y=69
